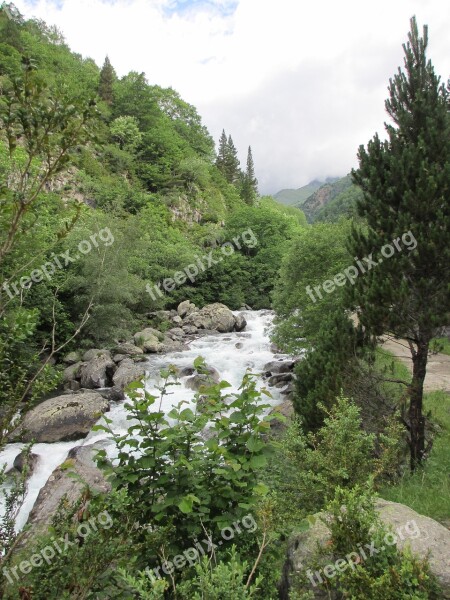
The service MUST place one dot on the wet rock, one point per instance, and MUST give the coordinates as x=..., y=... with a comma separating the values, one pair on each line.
x=213, y=317
x=176, y=332
x=64, y=418
x=190, y=329
x=207, y=379
x=186, y=372
x=239, y=345
x=21, y=460
x=113, y=394
x=240, y=323
x=279, y=366
x=61, y=485
x=281, y=379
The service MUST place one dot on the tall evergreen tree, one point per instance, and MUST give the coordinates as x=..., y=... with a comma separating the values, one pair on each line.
x=406, y=184
x=222, y=152
x=231, y=162
x=249, y=191
x=107, y=78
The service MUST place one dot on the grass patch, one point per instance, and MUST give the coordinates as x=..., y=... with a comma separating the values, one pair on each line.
x=427, y=491
x=441, y=345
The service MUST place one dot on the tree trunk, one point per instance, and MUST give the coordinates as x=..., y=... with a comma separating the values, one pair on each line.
x=416, y=418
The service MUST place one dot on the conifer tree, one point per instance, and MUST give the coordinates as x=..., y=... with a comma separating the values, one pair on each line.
x=249, y=190
x=222, y=152
x=231, y=162
x=107, y=78
x=406, y=185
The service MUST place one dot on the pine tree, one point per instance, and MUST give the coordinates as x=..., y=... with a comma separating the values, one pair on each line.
x=406, y=181
x=107, y=78
x=231, y=162
x=249, y=191
x=222, y=152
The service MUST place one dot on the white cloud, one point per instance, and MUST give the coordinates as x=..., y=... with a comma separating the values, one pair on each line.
x=304, y=83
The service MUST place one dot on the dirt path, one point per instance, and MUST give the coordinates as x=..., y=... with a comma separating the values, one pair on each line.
x=438, y=368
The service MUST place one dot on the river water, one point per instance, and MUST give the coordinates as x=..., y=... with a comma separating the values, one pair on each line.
x=230, y=353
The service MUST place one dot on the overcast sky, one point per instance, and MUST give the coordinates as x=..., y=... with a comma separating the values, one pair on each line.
x=303, y=83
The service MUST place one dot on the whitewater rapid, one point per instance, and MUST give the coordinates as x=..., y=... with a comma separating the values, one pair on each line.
x=230, y=353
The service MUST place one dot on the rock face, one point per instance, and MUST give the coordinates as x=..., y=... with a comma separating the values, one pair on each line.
x=213, y=316
x=423, y=535
x=59, y=484
x=127, y=372
x=64, y=418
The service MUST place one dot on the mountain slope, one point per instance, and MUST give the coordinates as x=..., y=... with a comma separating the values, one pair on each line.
x=298, y=196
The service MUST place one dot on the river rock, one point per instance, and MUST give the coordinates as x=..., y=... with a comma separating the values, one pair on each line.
x=72, y=358
x=278, y=366
x=95, y=353
x=177, y=320
x=127, y=372
x=150, y=339
x=280, y=380
x=61, y=485
x=433, y=540
x=190, y=329
x=240, y=323
x=176, y=332
x=186, y=308
x=64, y=418
x=213, y=316
x=286, y=410
x=19, y=462
x=127, y=349
x=72, y=372
x=97, y=373
x=203, y=379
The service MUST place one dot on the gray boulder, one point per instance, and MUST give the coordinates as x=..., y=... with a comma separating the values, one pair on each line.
x=278, y=366
x=72, y=358
x=425, y=537
x=64, y=418
x=149, y=339
x=214, y=317
x=177, y=320
x=61, y=485
x=95, y=353
x=240, y=323
x=186, y=308
x=97, y=373
x=203, y=379
x=72, y=372
x=19, y=462
x=127, y=349
x=127, y=372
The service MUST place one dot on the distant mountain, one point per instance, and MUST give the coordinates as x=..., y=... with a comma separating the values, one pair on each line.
x=297, y=197
x=340, y=195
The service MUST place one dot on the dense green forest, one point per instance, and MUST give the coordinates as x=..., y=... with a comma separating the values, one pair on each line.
x=116, y=205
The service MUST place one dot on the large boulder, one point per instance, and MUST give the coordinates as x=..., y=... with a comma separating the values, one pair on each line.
x=97, y=373
x=149, y=339
x=61, y=485
x=186, y=308
x=286, y=411
x=212, y=316
x=127, y=349
x=95, y=353
x=64, y=418
x=72, y=358
x=127, y=372
x=425, y=537
x=275, y=367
